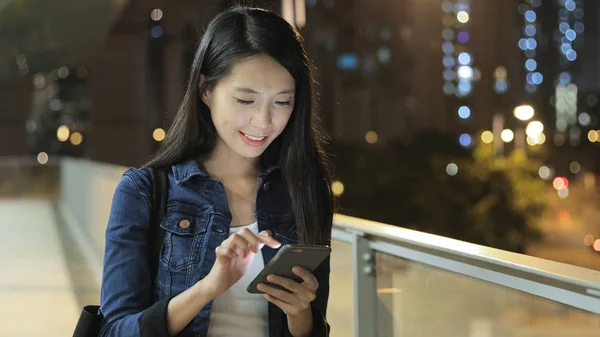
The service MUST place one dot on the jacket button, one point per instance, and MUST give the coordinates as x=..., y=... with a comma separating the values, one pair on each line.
x=266, y=186
x=184, y=224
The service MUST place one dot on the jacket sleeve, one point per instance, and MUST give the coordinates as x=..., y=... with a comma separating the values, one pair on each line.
x=126, y=292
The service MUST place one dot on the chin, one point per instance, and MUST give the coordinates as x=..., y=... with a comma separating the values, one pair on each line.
x=251, y=153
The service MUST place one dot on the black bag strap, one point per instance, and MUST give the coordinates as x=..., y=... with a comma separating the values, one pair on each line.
x=160, y=196
x=89, y=322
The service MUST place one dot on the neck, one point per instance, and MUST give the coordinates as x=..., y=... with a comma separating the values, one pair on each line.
x=224, y=164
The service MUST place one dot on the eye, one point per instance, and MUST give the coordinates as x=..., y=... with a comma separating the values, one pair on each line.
x=244, y=102
x=286, y=103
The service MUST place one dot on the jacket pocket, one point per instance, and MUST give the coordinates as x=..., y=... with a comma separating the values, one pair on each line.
x=184, y=236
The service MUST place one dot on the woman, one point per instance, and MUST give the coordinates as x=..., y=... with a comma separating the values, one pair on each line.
x=246, y=173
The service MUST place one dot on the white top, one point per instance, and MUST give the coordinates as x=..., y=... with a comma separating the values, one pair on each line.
x=237, y=312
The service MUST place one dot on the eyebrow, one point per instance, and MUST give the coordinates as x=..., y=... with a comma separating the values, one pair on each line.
x=252, y=91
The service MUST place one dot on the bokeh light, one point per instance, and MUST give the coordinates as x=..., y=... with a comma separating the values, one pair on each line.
x=487, y=137
x=575, y=167
x=76, y=138
x=371, y=137
x=544, y=172
x=560, y=183
x=507, y=135
x=62, y=133
x=563, y=193
x=452, y=169
x=464, y=112
x=156, y=14
x=589, y=240
x=534, y=129
x=42, y=158
x=159, y=134
x=337, y=187
x=597, y=245
x=524, y=112
x=462, y=17
x=465, y=140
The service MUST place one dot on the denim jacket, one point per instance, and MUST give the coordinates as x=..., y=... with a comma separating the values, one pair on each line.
x=196, y=222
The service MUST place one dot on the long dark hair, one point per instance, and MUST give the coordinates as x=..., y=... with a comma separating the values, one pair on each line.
x=234, y=34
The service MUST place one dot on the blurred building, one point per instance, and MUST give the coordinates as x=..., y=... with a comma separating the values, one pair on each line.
x=110, y=73
x=404, y=67
x=362, y=64
x=38, y=39
x=387, y=70
x=574, y=89
x=568, y=63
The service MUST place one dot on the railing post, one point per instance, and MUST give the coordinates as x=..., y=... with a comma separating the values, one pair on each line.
x=365, y=287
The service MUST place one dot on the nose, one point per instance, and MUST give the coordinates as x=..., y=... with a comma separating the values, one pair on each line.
x=261, y=117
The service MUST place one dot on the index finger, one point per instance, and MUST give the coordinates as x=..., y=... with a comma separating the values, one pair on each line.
x=268, y=240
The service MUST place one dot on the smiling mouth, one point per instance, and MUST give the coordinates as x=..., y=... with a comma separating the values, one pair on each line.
x=253, y=140
x=254, y=137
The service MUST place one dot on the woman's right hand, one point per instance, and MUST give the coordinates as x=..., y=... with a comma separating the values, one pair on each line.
x=234, y=257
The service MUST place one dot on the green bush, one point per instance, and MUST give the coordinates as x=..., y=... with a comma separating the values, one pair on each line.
x=495, y=202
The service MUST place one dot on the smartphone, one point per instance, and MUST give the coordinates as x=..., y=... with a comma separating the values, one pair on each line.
x=308, y=257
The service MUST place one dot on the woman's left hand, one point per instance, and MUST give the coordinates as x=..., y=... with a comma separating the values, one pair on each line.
x=300, y=295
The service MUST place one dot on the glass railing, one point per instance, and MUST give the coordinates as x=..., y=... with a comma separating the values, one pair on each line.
x=391, y=281
x=385, y=280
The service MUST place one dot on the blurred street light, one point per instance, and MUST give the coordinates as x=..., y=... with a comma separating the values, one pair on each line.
x=507, y=135
x=462, y=17
x=524, y=112
x=62, y=133
x=534, y=129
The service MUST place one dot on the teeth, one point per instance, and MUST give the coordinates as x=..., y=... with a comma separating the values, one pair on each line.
x=253, y=137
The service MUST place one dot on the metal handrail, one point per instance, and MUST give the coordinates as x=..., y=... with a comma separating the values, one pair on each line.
x=468, y=251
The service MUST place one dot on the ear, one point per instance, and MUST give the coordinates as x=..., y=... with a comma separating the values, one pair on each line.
x=204, y=92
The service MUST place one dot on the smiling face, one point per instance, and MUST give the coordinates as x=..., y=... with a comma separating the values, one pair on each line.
x=251, y=106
